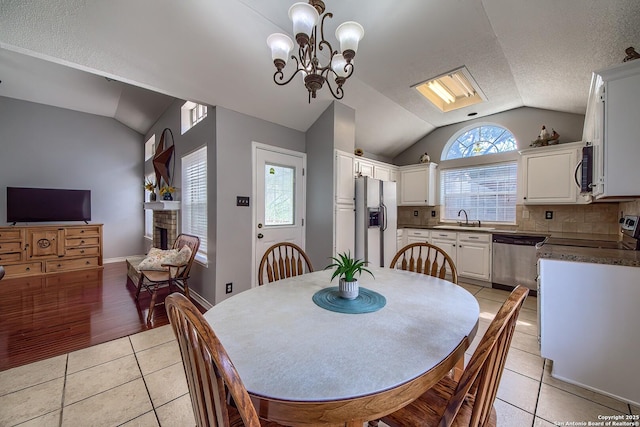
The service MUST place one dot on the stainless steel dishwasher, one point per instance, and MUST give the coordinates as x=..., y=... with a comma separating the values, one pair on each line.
x=514, y=261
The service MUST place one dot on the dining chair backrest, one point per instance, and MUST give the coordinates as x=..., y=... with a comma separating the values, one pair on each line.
x=194, y=244
x=283, y=260
x=211, y=375
x=481, y=377
x=427, y=259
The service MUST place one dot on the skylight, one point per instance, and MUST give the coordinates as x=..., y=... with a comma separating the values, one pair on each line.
x=452, y=90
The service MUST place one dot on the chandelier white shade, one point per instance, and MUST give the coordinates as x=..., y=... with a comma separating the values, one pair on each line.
x=305, y=18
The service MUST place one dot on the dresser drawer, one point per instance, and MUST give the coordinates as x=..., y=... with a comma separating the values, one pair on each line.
x=82, y=251
x=92, y=230
x=80, y=242
x=10, y=235
x=6, y=247
x=71, y=264
x=23, y=269
x=10, y=257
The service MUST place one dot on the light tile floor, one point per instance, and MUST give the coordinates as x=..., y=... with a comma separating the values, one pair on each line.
x=139, y=381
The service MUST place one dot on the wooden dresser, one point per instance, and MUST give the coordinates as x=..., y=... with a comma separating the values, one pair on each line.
x=44, y=249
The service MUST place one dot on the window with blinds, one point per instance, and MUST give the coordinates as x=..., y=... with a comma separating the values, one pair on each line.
x=194, y=198
x=487, y=193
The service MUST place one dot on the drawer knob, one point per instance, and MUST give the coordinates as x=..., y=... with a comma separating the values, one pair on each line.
x=59, y=265
x=28, y=269
x=87, y=263
x=82, y=242
x=81, y=231
x=82, y=251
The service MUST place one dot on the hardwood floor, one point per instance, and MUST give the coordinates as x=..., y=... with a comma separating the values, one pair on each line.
x=46, y=316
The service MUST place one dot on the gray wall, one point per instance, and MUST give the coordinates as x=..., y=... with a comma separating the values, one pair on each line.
x=203, y=134
x=334, y=129
x=235, y=133
x=525, y=124
x=51, y=147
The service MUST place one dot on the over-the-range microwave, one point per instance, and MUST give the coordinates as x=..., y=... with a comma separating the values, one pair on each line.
x=586, y=168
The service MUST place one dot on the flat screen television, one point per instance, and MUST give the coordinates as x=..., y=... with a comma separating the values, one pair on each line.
x=47, y=204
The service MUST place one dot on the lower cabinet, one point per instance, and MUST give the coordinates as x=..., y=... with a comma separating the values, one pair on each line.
x=35, y=250
x=446, y=240
x=474, y=256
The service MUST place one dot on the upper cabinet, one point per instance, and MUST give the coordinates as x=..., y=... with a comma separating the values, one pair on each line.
x=549, y=174
x=375, y=169
x=345, y=186
x=612, y=126
x=417, y=185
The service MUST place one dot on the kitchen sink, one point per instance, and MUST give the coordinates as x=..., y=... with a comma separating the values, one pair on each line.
x=463, y=227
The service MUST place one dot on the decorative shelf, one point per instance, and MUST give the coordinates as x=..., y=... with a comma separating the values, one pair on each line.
x=163, y=205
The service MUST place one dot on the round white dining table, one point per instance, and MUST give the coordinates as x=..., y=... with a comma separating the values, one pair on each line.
x=306, y=365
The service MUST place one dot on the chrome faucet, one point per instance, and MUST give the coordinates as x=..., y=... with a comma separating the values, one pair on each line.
x=466, y=218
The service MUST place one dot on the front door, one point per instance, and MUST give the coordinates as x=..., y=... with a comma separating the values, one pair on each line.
x=279, y=206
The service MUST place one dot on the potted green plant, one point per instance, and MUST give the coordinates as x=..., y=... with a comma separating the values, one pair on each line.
x=346, y=269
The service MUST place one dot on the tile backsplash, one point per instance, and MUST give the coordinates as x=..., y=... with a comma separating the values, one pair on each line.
x=595, y=218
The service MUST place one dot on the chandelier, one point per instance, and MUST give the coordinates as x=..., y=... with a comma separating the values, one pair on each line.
x=305, y=17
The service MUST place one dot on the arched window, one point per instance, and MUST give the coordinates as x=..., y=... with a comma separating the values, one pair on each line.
x=486, y=192
x=480, y=140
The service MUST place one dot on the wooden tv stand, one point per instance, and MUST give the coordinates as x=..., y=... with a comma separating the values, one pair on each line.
x=44, y=249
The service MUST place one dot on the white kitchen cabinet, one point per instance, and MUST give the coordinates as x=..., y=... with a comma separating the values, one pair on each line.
x=383, y=173
x=417, y=185
x=400, y=243
x=393, y=174
x=612, y=126
x=345, y=229
x=344, y=203
x=589, y=321
x=417, y=235
x=364, y=168
x=548, y=174
x=374, y=169
x=474, y=255
x=447, y=241
x=345, y=187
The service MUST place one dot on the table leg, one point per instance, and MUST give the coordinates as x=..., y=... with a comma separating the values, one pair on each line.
x=458, y=369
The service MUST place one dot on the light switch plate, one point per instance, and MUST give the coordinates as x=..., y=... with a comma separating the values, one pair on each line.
x=242, y=200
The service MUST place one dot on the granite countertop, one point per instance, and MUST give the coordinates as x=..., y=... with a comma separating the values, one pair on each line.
x=562, y=252
x=591, y=255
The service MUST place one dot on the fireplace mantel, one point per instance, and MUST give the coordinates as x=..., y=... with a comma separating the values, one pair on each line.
x=163, y=205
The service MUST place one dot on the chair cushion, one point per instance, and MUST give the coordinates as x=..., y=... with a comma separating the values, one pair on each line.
x=156, y=257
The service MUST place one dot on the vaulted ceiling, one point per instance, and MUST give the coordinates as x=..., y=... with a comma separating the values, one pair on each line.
x=521, y=53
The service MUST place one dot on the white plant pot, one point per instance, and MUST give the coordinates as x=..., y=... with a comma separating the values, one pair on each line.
x=348, y=290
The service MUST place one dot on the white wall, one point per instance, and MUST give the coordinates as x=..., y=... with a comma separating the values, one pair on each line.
x=50, y=147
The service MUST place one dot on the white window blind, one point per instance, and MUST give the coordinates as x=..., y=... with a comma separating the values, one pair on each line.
x=194, y=197
x=486, y=193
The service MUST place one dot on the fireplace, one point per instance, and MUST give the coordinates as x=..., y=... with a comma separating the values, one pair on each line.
x=165, y=228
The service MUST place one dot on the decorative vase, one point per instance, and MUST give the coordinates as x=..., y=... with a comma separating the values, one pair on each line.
x=167, y=196
x=348, y=290
x=152, y=197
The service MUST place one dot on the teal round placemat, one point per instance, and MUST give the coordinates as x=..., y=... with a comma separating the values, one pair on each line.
x=367, y=301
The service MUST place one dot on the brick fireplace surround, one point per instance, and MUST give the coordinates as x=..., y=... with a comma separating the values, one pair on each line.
x=167, y=220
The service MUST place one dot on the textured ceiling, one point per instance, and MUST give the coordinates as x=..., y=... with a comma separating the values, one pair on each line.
x=521, y=53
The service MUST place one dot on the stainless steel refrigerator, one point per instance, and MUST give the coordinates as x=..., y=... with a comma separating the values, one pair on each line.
x=376, y=221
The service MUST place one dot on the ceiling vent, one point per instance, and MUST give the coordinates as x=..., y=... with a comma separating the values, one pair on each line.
x=452, y=90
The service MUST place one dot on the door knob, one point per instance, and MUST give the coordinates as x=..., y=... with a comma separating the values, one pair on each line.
x=260, y=235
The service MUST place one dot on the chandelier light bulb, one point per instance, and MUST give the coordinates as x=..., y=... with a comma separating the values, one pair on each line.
x=349, y=34
x=305, y=18
x=338, y=64
x=280, y=45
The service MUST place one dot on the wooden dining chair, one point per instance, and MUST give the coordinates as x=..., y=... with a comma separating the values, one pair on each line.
x=176, y=274
x=1, y=272
x=283, y=260
x=218, y=396
x=469, y=401
x=427, y=259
